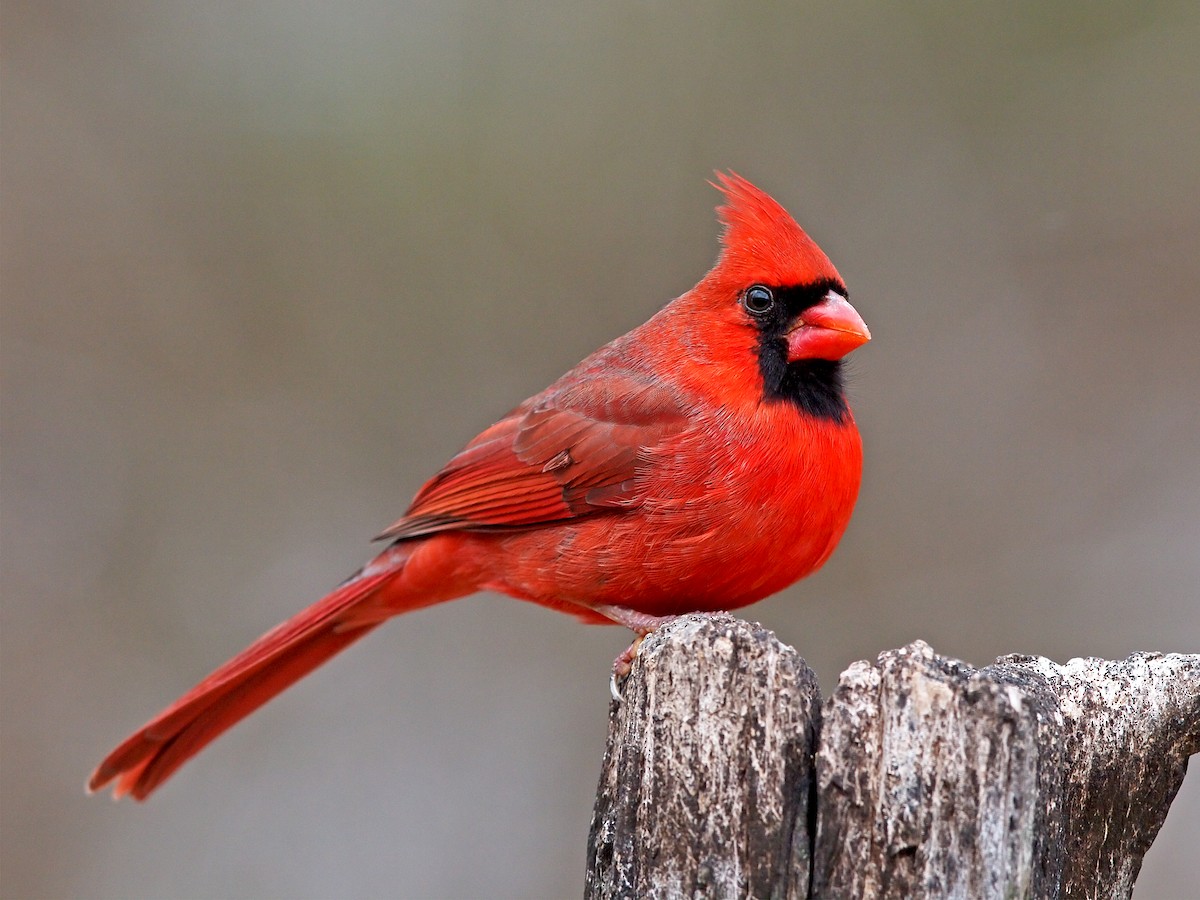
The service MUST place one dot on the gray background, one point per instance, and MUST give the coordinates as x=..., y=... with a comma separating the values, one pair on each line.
x=267, y=265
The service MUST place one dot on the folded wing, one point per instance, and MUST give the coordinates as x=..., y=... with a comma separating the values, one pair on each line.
x=572, y=451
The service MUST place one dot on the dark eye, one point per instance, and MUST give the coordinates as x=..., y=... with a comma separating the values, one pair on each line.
x=758, y=300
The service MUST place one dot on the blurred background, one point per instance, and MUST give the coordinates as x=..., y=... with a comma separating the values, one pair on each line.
x=267, y=265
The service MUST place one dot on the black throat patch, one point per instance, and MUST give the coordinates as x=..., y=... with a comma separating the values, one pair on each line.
x=814, y=386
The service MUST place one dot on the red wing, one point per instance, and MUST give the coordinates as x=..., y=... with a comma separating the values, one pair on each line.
x=566, y=453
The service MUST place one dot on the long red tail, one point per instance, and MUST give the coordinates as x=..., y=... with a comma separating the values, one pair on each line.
x=276, y=660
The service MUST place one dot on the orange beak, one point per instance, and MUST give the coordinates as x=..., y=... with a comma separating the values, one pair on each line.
x=829, y=330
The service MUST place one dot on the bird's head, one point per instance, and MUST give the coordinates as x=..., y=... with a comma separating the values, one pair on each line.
x=773, y=289
x=783, y=285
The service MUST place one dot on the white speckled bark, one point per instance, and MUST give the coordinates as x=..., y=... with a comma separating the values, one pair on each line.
x=928, y=772
x=1129, y=727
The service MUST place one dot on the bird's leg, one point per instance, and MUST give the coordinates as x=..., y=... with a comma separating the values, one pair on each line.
x=641, y=624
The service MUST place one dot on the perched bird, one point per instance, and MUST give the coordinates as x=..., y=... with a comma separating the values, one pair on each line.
x=701, y=462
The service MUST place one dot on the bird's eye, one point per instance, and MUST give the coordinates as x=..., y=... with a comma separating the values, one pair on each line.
x=758, y=300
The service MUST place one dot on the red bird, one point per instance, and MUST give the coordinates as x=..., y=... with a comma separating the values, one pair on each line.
x=701, y=462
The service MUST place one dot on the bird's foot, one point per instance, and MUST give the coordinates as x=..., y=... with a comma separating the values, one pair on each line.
x=640, y=623
x=621, y=666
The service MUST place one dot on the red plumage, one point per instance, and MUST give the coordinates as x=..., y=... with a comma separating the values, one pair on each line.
x=702, y=461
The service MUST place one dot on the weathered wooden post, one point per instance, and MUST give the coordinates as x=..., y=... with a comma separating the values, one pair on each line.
x=708, y=776
x=920, y=776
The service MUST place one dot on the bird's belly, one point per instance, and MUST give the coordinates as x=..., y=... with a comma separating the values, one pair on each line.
x=727, y=558
x=719, y=541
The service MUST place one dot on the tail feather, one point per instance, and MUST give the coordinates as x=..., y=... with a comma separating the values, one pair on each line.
x=276, y=660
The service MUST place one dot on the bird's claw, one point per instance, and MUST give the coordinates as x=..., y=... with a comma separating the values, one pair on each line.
x=621, y=666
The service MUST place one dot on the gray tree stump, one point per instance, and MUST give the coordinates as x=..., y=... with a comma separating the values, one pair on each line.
x=920, y=776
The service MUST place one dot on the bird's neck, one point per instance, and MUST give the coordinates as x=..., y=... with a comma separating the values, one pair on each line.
x=814, y=386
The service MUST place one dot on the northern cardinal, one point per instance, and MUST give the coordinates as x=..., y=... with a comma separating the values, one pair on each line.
x=701, y=462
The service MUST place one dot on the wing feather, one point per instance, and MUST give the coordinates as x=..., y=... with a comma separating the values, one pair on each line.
x=572, y=451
